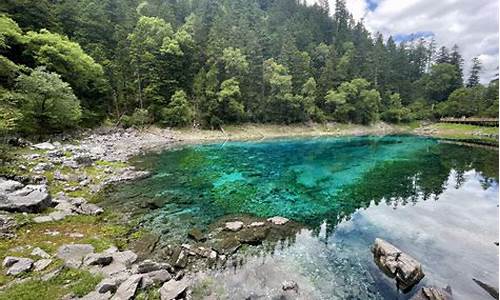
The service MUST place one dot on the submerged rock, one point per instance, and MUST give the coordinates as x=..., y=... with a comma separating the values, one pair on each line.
x=253, y=236
x=196, y=235
x=407, y=271
x=433, y=293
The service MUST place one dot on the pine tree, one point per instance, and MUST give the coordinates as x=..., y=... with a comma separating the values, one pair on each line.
x=474, y=73
x=457, y=60
x=443, y=56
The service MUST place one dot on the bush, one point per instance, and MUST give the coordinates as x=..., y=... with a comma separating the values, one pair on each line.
x=138, y=119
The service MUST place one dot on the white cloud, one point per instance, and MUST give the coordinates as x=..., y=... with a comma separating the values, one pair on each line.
x=472, y=24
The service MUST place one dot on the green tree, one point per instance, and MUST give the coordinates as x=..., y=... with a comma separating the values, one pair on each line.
x=230, y=108
x=84, y=75
x=354, y=102
x=474, y=73
x=47, y=103
x=179, y=111
x=440, y=82
x=393, y=110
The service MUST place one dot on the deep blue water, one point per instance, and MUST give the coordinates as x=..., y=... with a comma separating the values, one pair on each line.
x=434, y=200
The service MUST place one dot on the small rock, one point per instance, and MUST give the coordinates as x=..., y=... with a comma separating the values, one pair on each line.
x=278, y=220
x=127, y=289
x=76, y=235
x=42, y=219
x=39, y=168
x=97, y=259
x=20, y=266
x=39, y=252
x=7, y=226
x=96, y=296
x=256, y=224
x=234, y=226
x=289, y=285
x=84, y=160
x=73, y=254
x=44, y=146
x=89, y=209
x=42, y=264
x=106, y=285
x=148, y=266
x=173, y=289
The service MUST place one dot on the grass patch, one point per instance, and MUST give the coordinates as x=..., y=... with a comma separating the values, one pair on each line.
x=69, y=281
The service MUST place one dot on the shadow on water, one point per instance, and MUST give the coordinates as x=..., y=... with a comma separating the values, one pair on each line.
x=422, y=195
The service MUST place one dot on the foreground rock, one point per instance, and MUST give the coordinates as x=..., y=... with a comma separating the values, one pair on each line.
x=173, y=289
x=433, y=293
x=29, y=198
x=127, y=289
x=407, y=271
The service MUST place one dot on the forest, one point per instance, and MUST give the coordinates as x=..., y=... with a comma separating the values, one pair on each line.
x=206, y=63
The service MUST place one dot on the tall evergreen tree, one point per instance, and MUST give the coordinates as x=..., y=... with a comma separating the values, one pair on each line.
x=474, y=78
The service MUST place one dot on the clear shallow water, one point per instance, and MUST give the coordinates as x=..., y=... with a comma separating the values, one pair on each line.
x=436, y=201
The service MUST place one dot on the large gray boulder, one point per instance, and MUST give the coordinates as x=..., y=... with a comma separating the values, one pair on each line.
x=73, y=254
x=172, y=289
x=395, y=263
x=31, y=198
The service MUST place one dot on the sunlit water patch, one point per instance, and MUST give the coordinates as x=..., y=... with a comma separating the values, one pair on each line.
x=435, y=201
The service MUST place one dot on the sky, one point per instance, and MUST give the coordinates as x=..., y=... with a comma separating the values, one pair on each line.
x=471, y=24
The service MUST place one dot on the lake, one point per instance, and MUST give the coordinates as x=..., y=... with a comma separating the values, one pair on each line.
x=436, y=201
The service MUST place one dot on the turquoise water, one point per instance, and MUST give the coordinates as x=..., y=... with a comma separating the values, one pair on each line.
x=437, y=201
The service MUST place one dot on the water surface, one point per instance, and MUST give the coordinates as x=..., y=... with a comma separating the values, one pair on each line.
x=436, y=201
